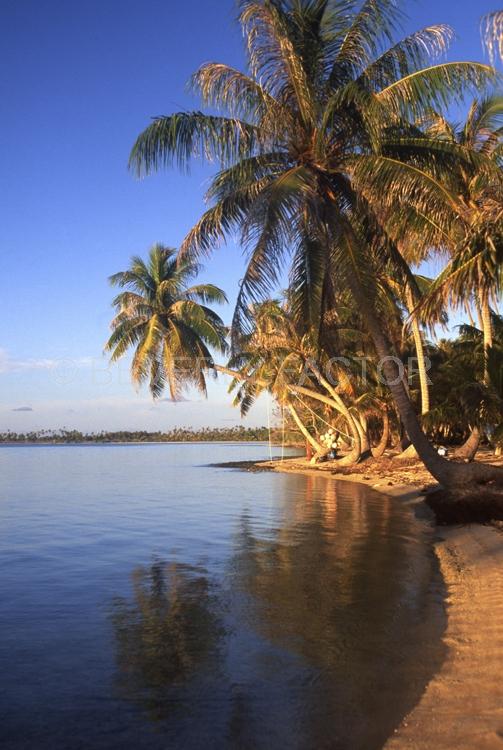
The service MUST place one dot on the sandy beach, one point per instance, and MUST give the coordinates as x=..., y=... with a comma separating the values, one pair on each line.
x=462, y=706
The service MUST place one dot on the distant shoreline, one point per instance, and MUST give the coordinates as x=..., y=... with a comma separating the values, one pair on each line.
x=17, y=443
x=178, y=434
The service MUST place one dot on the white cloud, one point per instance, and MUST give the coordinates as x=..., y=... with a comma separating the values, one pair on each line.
x=127, y=413
x=11, y=364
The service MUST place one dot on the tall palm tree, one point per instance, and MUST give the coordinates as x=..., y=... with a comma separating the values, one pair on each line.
x=166, y=323
x=311, y=145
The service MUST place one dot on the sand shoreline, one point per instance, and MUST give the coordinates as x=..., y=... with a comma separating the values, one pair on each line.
x=462, y=705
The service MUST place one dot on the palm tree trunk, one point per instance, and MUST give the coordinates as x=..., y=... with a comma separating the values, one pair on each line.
x=335, y=402
x=320, y=449
x=470, y=447
x=410, y=451
x=361, y=425
x=447, y=473
x=487, y=331
x=419, y=346
x=381, y=446
x=468, y=450
x=342, y=408
x=354, y=455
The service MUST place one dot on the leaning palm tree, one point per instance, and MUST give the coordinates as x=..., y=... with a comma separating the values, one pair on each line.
x=166, y=323
x=276, y=357
x=312, y=145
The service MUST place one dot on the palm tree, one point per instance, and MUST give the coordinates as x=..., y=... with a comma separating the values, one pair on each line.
x=476, y=245
x=461, y=400
x=312, y=145
x=172, y=628
x=166, y=323
x=275, y=357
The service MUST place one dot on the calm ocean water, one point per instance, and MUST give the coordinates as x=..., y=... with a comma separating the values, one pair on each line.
x=150, y=601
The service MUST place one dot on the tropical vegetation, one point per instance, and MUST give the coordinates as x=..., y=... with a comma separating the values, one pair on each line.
x=336, y=162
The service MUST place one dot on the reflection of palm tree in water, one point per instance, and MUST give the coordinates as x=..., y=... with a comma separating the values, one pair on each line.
x=344, y=584
x=323, y=629
x=168, y=635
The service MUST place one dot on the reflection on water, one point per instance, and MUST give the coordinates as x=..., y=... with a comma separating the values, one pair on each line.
x=345, y=586
x=321, y=632
x=148, y=601
x=171, y=630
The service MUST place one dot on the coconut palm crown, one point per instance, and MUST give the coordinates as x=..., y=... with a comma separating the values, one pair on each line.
x=476, y=246
x=314, y=144
x=166, y=323
x=319, y=129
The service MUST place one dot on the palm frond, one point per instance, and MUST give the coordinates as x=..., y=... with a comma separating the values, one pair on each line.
x=411, y=53
x=435, y=87
x=180, y=137
x=275, y=57
x=206, y=293
x=491, y=28
x=377, y=20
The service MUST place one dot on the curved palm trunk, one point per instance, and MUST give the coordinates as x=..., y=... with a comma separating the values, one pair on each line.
x=231, y=373
x=343, y=409
x=470, y=447
x=320, y=450
x=354, y=455
x=381, y=446
x=361, y=426
x=468, y=450
x=335, y=402
x=447, y=473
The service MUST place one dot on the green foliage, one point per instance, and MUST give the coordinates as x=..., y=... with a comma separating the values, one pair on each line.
x=166, y=323
x=333, y=160
x=475, y=241
x=316, y=144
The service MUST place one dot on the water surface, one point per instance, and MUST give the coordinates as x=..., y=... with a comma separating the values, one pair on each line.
x=150, y=601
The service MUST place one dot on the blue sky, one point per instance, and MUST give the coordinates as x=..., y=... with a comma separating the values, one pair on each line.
x=78, y=82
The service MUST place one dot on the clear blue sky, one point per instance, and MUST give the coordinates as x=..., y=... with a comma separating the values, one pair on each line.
x=78, y=81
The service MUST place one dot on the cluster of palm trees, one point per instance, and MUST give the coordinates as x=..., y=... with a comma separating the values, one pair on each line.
x=335, y=161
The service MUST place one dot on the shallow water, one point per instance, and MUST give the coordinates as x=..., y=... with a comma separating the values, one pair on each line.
x=150, y=601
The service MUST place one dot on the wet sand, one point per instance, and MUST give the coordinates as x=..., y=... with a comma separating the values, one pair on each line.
x=462, y=706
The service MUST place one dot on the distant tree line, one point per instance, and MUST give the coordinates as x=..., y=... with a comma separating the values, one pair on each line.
x=176, y=435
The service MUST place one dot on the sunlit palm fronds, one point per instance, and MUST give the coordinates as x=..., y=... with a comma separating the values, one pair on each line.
x=166, y=323
x=492, y=34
